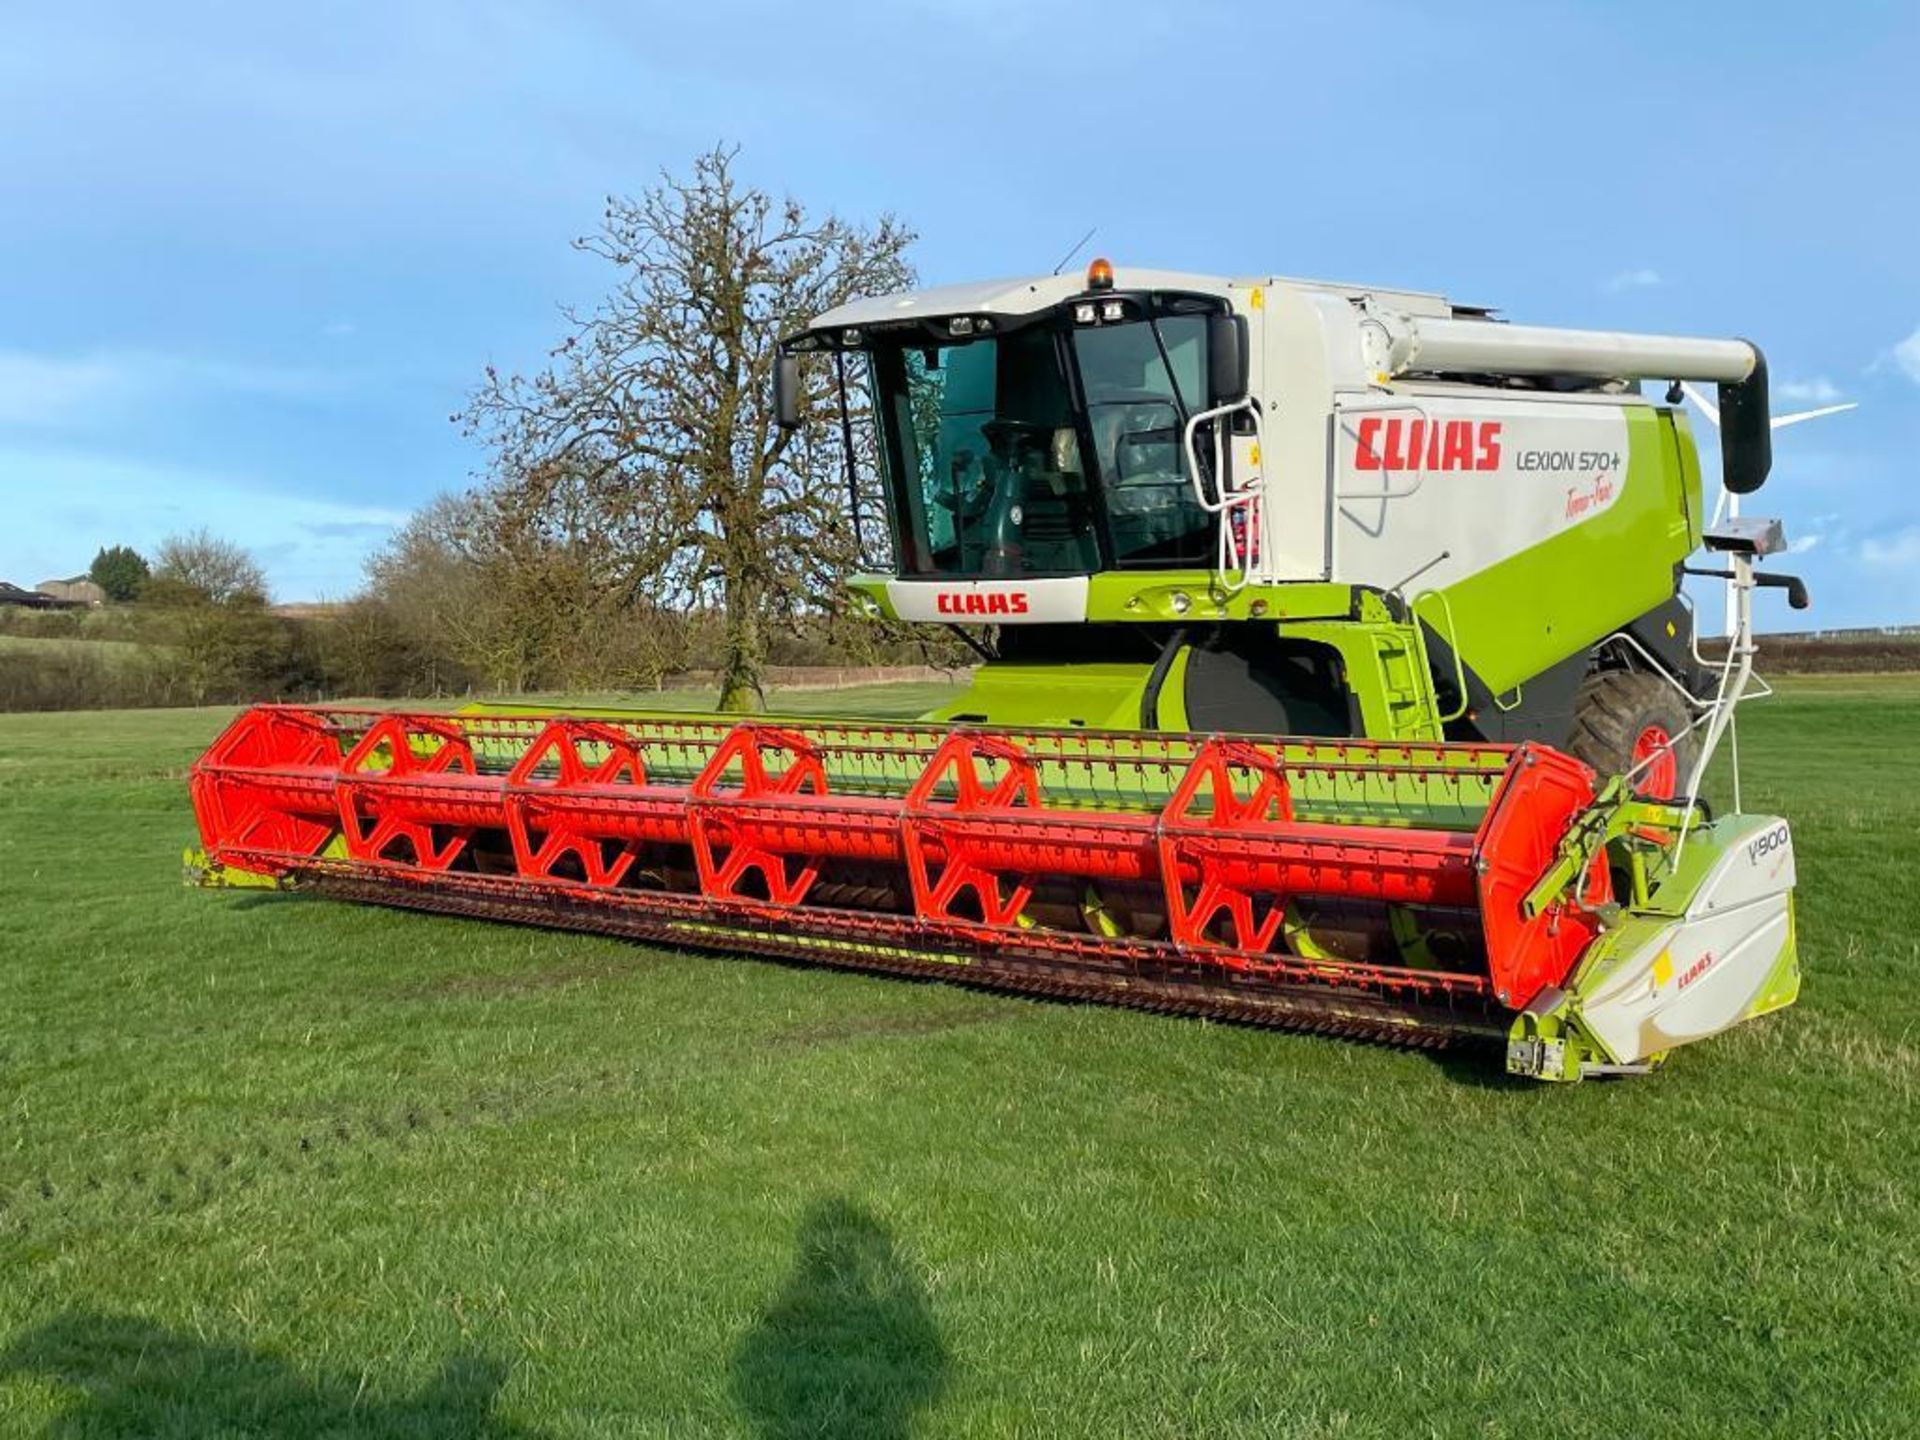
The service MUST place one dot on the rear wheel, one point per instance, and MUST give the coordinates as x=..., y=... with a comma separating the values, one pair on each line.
x=1623, y=721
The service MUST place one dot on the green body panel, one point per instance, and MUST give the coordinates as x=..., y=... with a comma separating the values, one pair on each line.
x=1386, y=672
x=1097, y=696
x=1123, y=595
x=1384, y=660
x=1782, y=986
x=1517, y=618
x=1384, y=664
x=1169, y=597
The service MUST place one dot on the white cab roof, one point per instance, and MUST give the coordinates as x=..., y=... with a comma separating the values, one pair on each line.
x=1024, y=296
x=1032, y=294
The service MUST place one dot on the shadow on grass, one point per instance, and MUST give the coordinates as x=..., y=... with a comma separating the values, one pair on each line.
x=1478, y=1065
x=135, y=1378
x=257, y=899
x=848, y=1347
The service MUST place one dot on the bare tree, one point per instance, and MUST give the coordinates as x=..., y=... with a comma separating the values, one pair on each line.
x=507, y=585
x=209, y=597
x=651, y=438
x=202, y=565
x=447, y=582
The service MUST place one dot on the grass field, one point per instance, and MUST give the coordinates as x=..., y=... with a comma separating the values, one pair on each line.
x=112, y=652
x=272, y=1166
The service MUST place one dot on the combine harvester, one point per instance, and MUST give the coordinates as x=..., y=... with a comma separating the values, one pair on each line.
x=1336, y=674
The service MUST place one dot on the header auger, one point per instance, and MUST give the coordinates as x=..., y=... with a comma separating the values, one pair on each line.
x=1338, y=678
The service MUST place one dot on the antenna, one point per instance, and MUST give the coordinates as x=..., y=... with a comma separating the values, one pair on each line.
x=1078, y=246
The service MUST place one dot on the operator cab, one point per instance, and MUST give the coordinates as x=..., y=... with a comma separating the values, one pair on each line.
x=1045, y=443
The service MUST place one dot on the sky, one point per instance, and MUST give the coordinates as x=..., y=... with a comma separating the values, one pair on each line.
x=252, y=257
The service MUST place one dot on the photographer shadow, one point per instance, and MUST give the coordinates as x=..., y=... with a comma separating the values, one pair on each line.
x=848, y=1346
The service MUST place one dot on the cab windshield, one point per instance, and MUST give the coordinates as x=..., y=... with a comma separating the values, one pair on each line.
x=1047, y=450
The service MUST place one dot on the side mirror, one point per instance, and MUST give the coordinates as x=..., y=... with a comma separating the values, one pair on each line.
x=1746, y=430
x=1226, y=359
x=786, y=392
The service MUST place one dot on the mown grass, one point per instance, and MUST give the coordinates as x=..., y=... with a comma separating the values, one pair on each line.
x=281, y=1167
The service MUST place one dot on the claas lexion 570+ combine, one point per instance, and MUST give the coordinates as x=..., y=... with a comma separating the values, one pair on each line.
x=1336, y=673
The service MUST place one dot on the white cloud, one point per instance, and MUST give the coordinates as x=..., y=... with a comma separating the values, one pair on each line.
x=1907, y=356
x=1817, y=391
x=338, y=329
x=312, y=545
x=1804, y=544
x=61, y=390
x=36, y=388
x=1897, y=551
x=1640, y=279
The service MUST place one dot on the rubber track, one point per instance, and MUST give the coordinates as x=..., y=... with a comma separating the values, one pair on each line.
x=1239, y=1000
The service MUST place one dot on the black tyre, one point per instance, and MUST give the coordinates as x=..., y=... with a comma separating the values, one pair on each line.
x=1623, y=720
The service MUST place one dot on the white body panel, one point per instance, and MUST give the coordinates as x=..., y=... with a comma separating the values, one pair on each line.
x=1441, y=486
x=1704, y=972
x=1296, y=334
x=991, y=602
x=1328, y=514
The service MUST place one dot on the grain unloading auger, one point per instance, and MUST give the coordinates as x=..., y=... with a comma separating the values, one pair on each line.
x=1225, y=756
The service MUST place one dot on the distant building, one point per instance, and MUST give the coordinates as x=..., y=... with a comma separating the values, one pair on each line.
x=34, y=599
x=78, y=590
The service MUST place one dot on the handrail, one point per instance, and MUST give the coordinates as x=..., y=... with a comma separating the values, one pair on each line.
x=1453, y=646
x=1389, y=493
x=1199, y=418
x=1234, y=570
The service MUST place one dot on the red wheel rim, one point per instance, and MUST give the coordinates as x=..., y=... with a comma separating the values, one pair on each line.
x=1660, y=779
